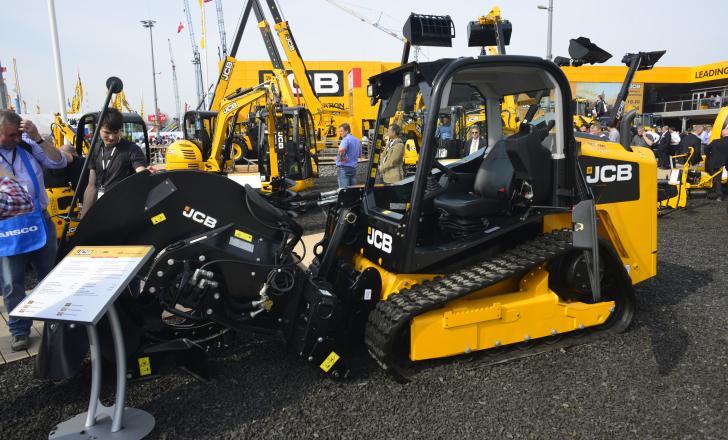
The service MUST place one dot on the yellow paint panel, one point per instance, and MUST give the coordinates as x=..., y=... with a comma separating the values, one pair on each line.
x=478, y=322
x=329, y=362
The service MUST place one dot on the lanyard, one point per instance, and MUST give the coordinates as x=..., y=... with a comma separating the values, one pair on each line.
x=12, y=164
x=105, y=164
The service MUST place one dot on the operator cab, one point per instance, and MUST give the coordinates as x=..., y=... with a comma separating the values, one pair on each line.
x=458, y=200
x=294, y=147
x=198, y=128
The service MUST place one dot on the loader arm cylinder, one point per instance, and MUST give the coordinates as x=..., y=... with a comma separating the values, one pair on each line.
x=270, y=44
x=618, y=107
x=295, y=59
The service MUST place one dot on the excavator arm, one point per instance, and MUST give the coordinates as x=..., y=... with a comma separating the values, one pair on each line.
x=230, y=106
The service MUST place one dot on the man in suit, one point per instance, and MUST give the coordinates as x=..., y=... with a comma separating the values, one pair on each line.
x=717, y=157
x=692, y=140
x=390, y=165
x=664, y=148
x=476, y=142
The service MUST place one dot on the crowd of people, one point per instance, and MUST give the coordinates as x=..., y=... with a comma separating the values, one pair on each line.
x=27, y=232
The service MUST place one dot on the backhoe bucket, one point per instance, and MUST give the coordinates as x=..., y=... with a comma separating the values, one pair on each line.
x=429, y=30
x=481, y=35
x=582, y=49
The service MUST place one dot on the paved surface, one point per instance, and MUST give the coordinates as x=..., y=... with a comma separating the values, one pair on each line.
x=6, y=354
x=666, y=377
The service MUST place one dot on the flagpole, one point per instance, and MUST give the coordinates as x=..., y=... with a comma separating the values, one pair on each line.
x=57, y=60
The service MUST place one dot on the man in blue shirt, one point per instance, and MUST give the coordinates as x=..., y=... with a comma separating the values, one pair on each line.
x=444, y=131
x=347, y=157
x=42, y=154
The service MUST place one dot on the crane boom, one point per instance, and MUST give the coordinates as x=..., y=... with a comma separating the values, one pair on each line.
x=195, y=54
x=221, y=28
x=373, y=23
x=366, y=20
x=174, y=82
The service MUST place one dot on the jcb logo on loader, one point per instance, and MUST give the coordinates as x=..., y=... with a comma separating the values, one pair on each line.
x=611, y=181
x=609, y=173
x=200, y=217
x=380, y=240
x=227, y=69
x=280, y=141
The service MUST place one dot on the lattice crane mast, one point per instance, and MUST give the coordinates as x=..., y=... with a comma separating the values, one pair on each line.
x=195, y=54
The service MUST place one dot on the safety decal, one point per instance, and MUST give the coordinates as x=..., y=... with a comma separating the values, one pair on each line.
x=159, y=218
x=244, y=235
x=145, y=367
x=329, y=362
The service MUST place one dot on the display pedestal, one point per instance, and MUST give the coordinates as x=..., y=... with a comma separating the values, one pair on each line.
x=80, y=290
x=106, y=422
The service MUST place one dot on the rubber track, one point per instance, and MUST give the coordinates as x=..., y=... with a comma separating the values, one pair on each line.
x=390, y=318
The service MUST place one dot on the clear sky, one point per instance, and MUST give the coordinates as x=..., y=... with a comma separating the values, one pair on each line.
x=100, y=38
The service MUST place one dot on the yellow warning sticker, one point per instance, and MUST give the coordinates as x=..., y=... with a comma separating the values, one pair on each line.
x=329, y=361
x=243, y=235
x=159, y=218
x=145, y=367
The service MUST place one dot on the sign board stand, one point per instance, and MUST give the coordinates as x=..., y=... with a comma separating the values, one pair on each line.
x=81, y=289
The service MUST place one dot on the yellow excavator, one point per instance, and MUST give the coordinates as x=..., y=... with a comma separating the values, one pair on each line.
x=199, y=150
x=283, y=136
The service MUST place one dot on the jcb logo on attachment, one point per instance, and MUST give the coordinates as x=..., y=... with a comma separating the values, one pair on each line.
x=200, y=217
x=380, y=240
x=230, y=107
x=609, y=173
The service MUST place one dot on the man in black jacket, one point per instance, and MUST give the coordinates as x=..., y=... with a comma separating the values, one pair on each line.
x=717, y=157
x=113, y=160
x=664, y=149
x=691, y=140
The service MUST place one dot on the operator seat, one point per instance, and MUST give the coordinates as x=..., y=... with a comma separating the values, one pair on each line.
x=491, y=190
x=532, y=164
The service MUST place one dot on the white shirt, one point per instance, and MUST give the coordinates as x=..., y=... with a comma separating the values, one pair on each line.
x=474, y=145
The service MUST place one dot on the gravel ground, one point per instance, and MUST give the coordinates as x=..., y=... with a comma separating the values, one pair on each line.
x=664, y=378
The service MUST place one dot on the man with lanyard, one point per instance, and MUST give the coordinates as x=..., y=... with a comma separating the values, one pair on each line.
x=29, y=238
x=113, y=160
x=347, y=157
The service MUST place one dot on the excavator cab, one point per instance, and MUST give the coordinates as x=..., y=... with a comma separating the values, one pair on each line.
x=293, y=156
x=192, y=151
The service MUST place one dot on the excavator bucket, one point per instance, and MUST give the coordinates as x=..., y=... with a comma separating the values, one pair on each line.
x=480, y=35
x=647, y=59
x=429, y=30
x=582, y=49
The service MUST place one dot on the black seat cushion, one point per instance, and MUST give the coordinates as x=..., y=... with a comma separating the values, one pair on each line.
x=491, y=188
x=468, y=205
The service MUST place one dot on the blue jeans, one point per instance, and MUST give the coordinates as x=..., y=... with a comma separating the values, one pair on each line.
x=12, y=276
x=347, y=176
